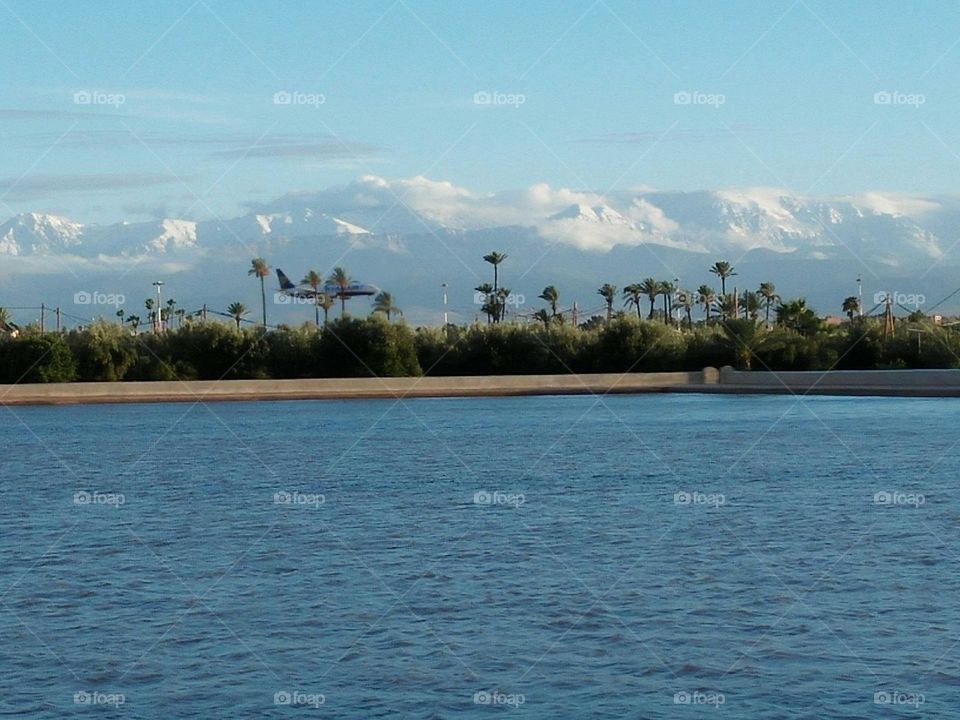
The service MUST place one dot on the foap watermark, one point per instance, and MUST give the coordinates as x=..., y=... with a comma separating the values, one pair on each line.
x=280, y=298
x=896, y=697
x=898, y=498
x=695, y=97
x=298, y=698
x=114, y=500
x=699, y=698
x=682, y=497
x=485, y=497
x=296, y=98
x=87, y=697
x=313, y=500
x=495, y=97
x=513, y=299
x=895, y=297
x=495, y=697
x=98, y=298
x=98, y=97
x=895, y=97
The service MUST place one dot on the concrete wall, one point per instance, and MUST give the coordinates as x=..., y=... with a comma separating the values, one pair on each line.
x=846, y=382
x=191, y=391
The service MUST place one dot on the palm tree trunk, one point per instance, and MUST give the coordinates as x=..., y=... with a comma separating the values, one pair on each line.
x=639, y=313
x=263, y=300
x=343, y=305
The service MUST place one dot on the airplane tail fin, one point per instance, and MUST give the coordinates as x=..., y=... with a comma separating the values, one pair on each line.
x=285, y=283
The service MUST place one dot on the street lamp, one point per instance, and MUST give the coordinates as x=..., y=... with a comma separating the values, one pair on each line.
x=860, y=295
x=158, y=316
x=444, y=286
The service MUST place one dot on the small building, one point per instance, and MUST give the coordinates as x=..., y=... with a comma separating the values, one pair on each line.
x=832, y=321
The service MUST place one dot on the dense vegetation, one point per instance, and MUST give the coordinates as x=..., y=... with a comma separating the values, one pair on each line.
x=359, y=347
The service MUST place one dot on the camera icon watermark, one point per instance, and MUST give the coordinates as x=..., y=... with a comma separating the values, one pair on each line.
x=495, y=697
x=895, y=97
x=714, y=500
x=298, y=698
x=282, y=298
x=495, y=97
x=295, y=498
x=98, y=298
x=695, y=97
x=895, y=697
x=485, y=497
x=896, y=498
x=297, y=98
x=86, y=697
x=84, y=497
x=696, y=697
x=98, y=97
x=894, y=297
x=513, y=299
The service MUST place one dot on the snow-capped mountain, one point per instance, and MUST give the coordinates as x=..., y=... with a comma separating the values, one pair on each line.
x=409, y=235
x=36, y=234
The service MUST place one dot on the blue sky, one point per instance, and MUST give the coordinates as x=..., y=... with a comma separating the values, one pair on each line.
x=781, y=93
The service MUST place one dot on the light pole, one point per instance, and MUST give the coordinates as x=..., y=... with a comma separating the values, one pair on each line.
x=158, y=317
x=859, y=296
x=444, y=286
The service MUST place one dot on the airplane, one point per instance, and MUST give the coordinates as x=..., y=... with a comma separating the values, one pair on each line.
x=354, y=289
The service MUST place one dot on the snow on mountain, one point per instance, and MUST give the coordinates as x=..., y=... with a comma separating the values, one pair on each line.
x=36, y=233
x=380, y=214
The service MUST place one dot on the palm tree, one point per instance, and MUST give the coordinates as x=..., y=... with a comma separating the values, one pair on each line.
x=134, y=322
x=120, y=313
x=850, y=306
x=722, y=269
x=685, y=297
x=502, y=296
x=323, y=300
x=151, y=315
x=495, y=258
x=551, y=296
x=633, y=293
x=795, y=315
x=313, y=279
x=237, y=311
x=542, y=316
x=747, y=339
x=341, y=279
x=750, y=302
x=706, y=298
x=667, y=290
x=383, y=303
x=260, y=269
x=486, y=291
x=769, y=298
x=726, y=306
x=651, y=288
x=180, y=313
x=609, y=293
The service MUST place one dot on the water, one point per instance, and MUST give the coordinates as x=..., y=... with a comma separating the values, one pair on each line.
x=580, y=584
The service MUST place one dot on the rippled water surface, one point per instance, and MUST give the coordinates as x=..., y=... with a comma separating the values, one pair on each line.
x=651, y=556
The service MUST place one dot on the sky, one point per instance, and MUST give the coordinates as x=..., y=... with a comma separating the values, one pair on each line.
x=195, y=108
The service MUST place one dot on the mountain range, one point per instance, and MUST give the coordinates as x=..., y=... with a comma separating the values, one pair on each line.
x=410, y=235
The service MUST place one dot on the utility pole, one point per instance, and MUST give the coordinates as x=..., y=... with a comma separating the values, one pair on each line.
x=860, y=295
x=576, y=313
x=203, y=313
x=43, y=309
x=888, y=317
x=445, y=321
x=58, y=319
x=158, y=316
